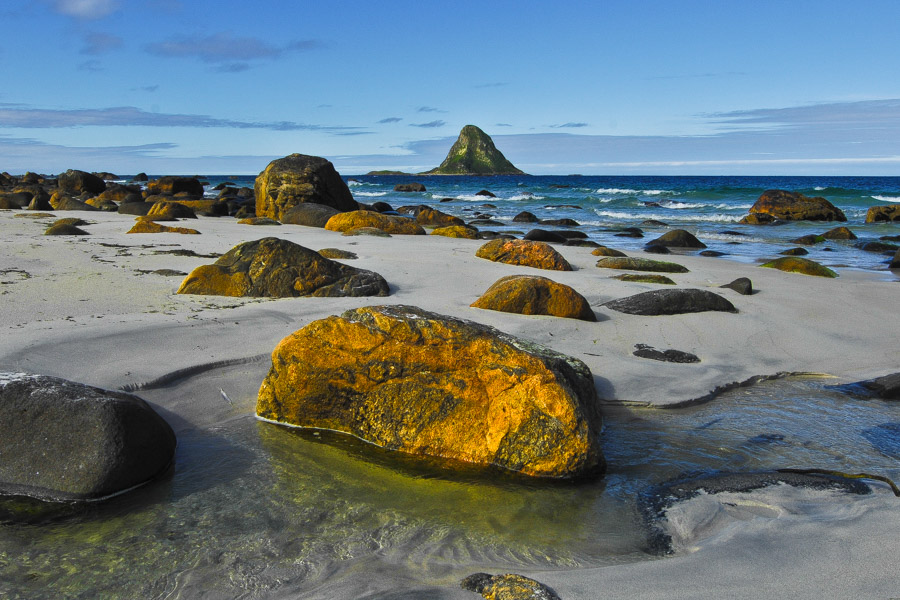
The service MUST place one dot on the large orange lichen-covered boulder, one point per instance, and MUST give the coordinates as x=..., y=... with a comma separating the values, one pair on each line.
x=792, y=206
x=356, y=219
x=300, y=178
x=426, y=384
x=276, y=268
x=143, y=226
x=876, y=214
x=533, y=295
x=525, y=253
x=457, y=231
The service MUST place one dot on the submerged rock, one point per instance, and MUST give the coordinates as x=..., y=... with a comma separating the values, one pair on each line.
x=276, y=268
x=794, y=264
x=525, y=253
x=673, y=356
x=68, y=441
x=534, y=295
x=878, y=214
x=426, y=384
x=671, y=302
x=507, y=587
x=792, y=206
x=296, y=179
x=409, y=187
x=839, y=233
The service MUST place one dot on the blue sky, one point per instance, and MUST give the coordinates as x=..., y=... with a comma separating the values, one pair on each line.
x=603, y=87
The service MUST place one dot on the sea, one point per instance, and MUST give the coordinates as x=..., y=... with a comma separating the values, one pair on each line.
x=254, y=510
x=603, y=206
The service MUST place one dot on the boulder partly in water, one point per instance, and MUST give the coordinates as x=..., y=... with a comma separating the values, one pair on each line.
x=426, y=384
x=62, y=440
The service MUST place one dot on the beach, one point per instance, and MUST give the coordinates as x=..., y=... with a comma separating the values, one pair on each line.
x=93, y=309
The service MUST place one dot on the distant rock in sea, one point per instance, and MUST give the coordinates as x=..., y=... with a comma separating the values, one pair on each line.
x=474, y=153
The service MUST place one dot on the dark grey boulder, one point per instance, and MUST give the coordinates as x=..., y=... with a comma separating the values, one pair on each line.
x=76, y=182
x=742, y=285
x=525, y=217
x=561, y=222
x=138, y=209
x=309, y=214
x=542, y=235
x=671, y=302
x=673, y=356
x=886, y=388
x=409, y=187
x=68, y=441
x=678, y=238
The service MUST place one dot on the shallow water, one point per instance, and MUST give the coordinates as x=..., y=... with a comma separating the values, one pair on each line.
x=257, y=510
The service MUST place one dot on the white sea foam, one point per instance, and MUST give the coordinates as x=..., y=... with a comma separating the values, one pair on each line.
x=819, y=188
x=632, y=216
x=887, y=198
x=370, y=194
x=630, y=192
x=525, y=196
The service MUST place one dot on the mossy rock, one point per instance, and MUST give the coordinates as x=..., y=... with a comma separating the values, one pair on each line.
x=644, y=278
x=534, y=295
x=793, y=264
x=337, y=253
x=641, y=264
x=526, y=253
x=64, y=229
x=347, y=221
x=457, y=231
x=604, y=251
x=258, y=221
x=143, y=226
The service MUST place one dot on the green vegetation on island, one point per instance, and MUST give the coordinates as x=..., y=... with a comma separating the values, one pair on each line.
x=474, y=153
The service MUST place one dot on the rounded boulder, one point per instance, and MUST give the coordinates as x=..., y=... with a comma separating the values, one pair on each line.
x=534, y=295
x=296, y=179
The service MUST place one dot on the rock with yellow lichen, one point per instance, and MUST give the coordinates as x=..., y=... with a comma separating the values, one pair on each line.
x=297, y=179
x=525, y=253
x=356, y=219
x=507, y=587
x=426, y=384
x=276, y=268
x=533, y=295
x=804, y=266
x=457, y=231
x=149, y=226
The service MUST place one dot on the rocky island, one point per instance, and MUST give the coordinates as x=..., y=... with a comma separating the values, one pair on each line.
x=474, y=153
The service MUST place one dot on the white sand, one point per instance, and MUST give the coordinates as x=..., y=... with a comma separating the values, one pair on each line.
x=74, y=308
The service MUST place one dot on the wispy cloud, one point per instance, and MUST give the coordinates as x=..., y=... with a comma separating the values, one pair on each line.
x=100, y=43
x=502, y=125
x=701, y=75
x=86, y=9
x=92, y=66
x=429, y=109
x=146, y=88
x=569, y=125
x=495, y=84
x=390, y=120
x=130, y=116
x=230, y=53
x=861, y=114
x=430, y=124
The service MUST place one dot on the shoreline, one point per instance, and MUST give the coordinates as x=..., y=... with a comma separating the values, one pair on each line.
x=90, y=309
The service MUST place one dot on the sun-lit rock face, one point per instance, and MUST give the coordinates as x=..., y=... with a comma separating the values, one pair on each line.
x=276, y=268
x=356, y=219
x=426, y=384
x=296, y=179
x=474, y=153
x=792, y=206
x=533, y=295
x=524, y=253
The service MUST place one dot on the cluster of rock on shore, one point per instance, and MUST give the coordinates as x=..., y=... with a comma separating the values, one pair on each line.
x=399, y=376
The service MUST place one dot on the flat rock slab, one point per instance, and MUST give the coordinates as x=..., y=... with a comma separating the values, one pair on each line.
x=673, y=356
x=62, y=440
x=671, y=302
x=640, y=264
x=276, y=268
x=804, y=266
x=427, y=384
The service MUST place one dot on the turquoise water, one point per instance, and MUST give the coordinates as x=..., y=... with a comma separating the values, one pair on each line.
x=710, y=207
x=254, y=510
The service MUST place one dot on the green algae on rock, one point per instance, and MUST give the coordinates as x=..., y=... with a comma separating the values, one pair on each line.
x=474, y=153
x=795, y=264
x=640, y=264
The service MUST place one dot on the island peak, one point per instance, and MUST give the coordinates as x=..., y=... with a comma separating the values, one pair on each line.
x=474, y=153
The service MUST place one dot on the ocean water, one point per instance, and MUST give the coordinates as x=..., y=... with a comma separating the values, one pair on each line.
x=709, y=207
